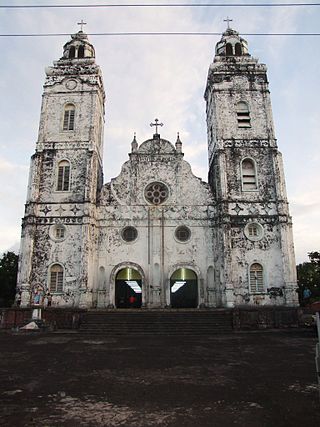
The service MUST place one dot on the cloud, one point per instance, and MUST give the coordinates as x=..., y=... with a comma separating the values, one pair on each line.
x=164, y=77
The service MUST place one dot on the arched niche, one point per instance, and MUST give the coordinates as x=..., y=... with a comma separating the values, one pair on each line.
x=102, y=279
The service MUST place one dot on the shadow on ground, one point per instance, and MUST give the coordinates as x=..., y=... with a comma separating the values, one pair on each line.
x=247, y=379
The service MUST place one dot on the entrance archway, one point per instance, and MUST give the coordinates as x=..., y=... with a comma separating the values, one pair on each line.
x=128, y=288
x=184, y=289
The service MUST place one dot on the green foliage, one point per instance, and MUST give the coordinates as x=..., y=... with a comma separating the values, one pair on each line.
x=8, y=278
x=309, y=277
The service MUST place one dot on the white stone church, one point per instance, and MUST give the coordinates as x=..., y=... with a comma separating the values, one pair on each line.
x=157, y=236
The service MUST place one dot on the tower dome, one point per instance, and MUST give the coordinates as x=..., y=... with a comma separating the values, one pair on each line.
x=78, y=47
x=231, y=44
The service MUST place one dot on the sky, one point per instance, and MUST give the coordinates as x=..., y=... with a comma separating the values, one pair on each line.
x=162, y=76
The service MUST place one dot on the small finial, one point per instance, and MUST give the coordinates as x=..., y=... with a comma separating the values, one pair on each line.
x=82, y=23
x=228, y=20
x=134, y=144
x=178, y=143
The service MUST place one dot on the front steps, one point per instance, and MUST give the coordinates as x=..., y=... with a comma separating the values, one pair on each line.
x=156, y=322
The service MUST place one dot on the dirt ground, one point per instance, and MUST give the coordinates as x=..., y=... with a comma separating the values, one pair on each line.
x=246, y=379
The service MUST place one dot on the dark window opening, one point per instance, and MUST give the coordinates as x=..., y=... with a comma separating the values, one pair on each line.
x=243, y=115
x=129, y=234
x=238, y=49
x=229, y=50
x=81, y=52
x=183, y=233
x=72, y=52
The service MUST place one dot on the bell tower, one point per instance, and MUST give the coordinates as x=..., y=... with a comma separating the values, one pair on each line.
x=253, y=231
x=58, y=230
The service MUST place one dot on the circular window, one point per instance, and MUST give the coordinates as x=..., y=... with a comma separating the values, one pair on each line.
x=183, y=233
x=253, y=231
x=58, y=232
x=71, y=84
x=129, y=234
x=156, y=193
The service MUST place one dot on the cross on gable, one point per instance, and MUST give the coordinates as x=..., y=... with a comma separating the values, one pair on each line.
x=82, y=23
x=228, y=20
x=156, y=124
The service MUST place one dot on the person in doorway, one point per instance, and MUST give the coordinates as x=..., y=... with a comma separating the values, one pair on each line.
x=132, y=300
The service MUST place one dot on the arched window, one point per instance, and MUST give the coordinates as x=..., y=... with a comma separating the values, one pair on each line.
x=68, y=117
x=243, y=115
x=72, y=52
x=256, y=278
x=56, y=278
x=63, y=183
x=238, y=49
x=249, y=175
x=229, y=50
x=81, y=52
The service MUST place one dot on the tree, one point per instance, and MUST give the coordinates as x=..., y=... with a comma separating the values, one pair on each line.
x=8, y=278
x=309, y=277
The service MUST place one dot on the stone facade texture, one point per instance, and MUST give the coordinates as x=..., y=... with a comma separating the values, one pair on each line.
x=239, y=243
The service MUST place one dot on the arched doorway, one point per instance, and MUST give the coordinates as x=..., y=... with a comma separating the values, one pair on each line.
x=128, y=292
x=184, y=289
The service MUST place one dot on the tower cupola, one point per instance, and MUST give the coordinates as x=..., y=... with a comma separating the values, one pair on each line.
x=231, y=44
x=78, y=47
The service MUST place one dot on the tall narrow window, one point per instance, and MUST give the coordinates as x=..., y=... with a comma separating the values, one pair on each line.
x=256, y=278
x=81, y=52
x=72, y=52
x=243, y=115
x=68, y=118
x=63, y=183
x=59, y=232
x=238, y=50
x=229, y=50
x=249, y=175
x=56, y=278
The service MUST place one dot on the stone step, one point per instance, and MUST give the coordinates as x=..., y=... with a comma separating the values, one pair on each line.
x=156, y=322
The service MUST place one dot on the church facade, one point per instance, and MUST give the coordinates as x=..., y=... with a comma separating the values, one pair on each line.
x=157, y=236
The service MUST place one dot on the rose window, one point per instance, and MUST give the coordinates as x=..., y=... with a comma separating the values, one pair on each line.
x=156, y=193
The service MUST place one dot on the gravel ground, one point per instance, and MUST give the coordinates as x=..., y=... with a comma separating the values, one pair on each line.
x=251, y=379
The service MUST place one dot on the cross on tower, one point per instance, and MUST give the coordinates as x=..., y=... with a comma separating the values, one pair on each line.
x=228, y=20
x=82, y=23
x=156, y=124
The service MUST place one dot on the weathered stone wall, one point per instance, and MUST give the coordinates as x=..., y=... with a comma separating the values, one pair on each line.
x=231, y=80
x=217, y=214
x=156, y=251
x=79, y=82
